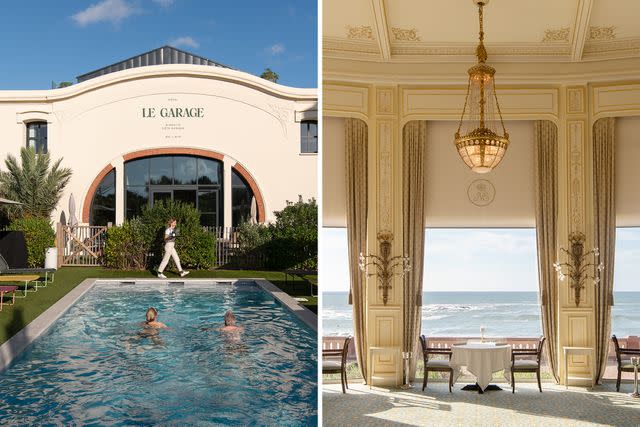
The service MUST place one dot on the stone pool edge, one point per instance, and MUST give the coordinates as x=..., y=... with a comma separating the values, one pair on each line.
x=15, y=345
x=301, y=312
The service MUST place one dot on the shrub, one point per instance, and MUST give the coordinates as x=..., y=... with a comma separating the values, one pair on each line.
x=294, y=237
x=195, y=246
x=290, y=242
x=125, y=247
x=252, y=245
x=38, y=235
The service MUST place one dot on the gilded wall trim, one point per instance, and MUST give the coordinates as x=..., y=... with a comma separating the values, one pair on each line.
x=575, y=131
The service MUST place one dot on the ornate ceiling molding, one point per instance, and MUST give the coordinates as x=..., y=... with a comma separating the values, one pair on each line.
x=405, y=35
x=353, y=47
x=557, y=35
x=360, y=32
x=602, y=33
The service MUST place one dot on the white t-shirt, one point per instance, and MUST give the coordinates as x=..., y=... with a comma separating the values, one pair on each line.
x=169, y=236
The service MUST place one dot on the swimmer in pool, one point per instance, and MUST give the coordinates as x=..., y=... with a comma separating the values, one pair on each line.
x=152, y=320
x=230, y=323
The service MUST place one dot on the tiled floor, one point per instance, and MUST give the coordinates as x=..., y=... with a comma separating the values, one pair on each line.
x=555, y=406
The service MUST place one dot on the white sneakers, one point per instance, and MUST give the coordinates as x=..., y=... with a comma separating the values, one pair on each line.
x=182, y=274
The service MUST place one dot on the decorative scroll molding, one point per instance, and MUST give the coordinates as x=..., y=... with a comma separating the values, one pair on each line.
x=360, y=32
x=384, y=175
x=602, y=33
x=282, y=114
x=576, y=190
x=405, y=35
x=575, y=100
x=557, y=35
x=481, y=192
x=385, y=101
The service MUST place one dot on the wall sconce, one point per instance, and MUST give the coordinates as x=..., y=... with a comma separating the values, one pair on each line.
x=385, y=264
x=577, y=265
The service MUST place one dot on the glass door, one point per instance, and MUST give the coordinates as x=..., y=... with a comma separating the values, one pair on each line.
x=157, y=195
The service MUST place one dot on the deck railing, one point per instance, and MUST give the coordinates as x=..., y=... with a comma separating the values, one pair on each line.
x=632, y=341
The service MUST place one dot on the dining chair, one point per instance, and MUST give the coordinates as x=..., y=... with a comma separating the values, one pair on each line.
x=435, y=365
x=526, y=365
x=624, y=364
x=335, y=360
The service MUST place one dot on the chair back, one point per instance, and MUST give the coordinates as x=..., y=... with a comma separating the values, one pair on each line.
x=540, y=346
x=617, y=347
x=345, y=350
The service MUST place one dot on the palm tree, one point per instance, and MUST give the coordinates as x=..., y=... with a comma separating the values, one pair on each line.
x=33, y=183
x=269, y=74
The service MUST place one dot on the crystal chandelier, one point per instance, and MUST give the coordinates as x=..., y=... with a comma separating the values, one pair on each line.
x=481, y=147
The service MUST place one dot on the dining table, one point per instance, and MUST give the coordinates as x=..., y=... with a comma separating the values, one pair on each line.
x=481, y=359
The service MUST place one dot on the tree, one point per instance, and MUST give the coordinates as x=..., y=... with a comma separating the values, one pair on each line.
x=34, y=183
x=60, y=85
x=269, y=74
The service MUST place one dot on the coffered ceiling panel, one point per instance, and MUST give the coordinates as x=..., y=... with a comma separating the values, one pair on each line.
x=615, y=19
x=351, y=19
x=456, y=21
x=430, y=31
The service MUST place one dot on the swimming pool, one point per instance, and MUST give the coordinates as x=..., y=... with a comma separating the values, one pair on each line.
x=93, y=367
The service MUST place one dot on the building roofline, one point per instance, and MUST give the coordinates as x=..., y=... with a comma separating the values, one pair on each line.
x=129, y=62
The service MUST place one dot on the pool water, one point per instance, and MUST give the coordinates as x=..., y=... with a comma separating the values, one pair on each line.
x=92, y=367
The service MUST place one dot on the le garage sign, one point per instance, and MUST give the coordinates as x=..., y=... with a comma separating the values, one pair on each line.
x=172, y=112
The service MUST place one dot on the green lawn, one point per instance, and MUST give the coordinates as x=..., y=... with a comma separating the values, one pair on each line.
x=13, y=319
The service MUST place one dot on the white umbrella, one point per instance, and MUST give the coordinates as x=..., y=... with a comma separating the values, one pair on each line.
x=8, y=202
x=254, y=211
x=73, y=221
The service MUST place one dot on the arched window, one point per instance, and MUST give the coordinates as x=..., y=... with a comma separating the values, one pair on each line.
x=309, y=136
x=103, y=205
x=241, y=196
x=37, y=136
x=189, y=179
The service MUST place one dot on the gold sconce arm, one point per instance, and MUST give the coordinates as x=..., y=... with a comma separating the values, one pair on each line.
x=385, y=264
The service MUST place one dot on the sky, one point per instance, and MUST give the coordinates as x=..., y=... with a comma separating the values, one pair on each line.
x=478, y=260
x=44, y=40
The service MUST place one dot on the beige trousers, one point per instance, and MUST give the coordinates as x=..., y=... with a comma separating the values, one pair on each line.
x=169, y=252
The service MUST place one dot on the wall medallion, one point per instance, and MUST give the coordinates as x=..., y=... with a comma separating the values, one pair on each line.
x=481, y=192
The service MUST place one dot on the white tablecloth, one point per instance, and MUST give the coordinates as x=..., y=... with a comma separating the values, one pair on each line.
x=482, y=360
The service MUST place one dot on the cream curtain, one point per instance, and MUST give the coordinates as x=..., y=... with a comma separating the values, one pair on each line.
x=356, y=177
x=605, y=232
x=413, y=185
x=546, y=167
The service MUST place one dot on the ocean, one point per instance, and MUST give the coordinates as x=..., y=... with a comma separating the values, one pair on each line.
x=459, y=314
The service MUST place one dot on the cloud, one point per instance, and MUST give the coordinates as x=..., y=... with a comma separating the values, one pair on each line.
x=276, y=49
x=184, y=42
x=112, y=11
x=164, y=3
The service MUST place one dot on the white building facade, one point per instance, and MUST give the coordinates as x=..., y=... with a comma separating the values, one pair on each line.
x=134, y=133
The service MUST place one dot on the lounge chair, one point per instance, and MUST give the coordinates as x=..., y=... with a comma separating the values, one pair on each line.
x=26, y=278
x=623, y=356
x=46, y=273
x=4, y=290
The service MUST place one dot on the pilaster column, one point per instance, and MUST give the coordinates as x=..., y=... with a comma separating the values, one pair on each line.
x=118, y=164
x=227, y=191
x=384, y=321
x=576, y=324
